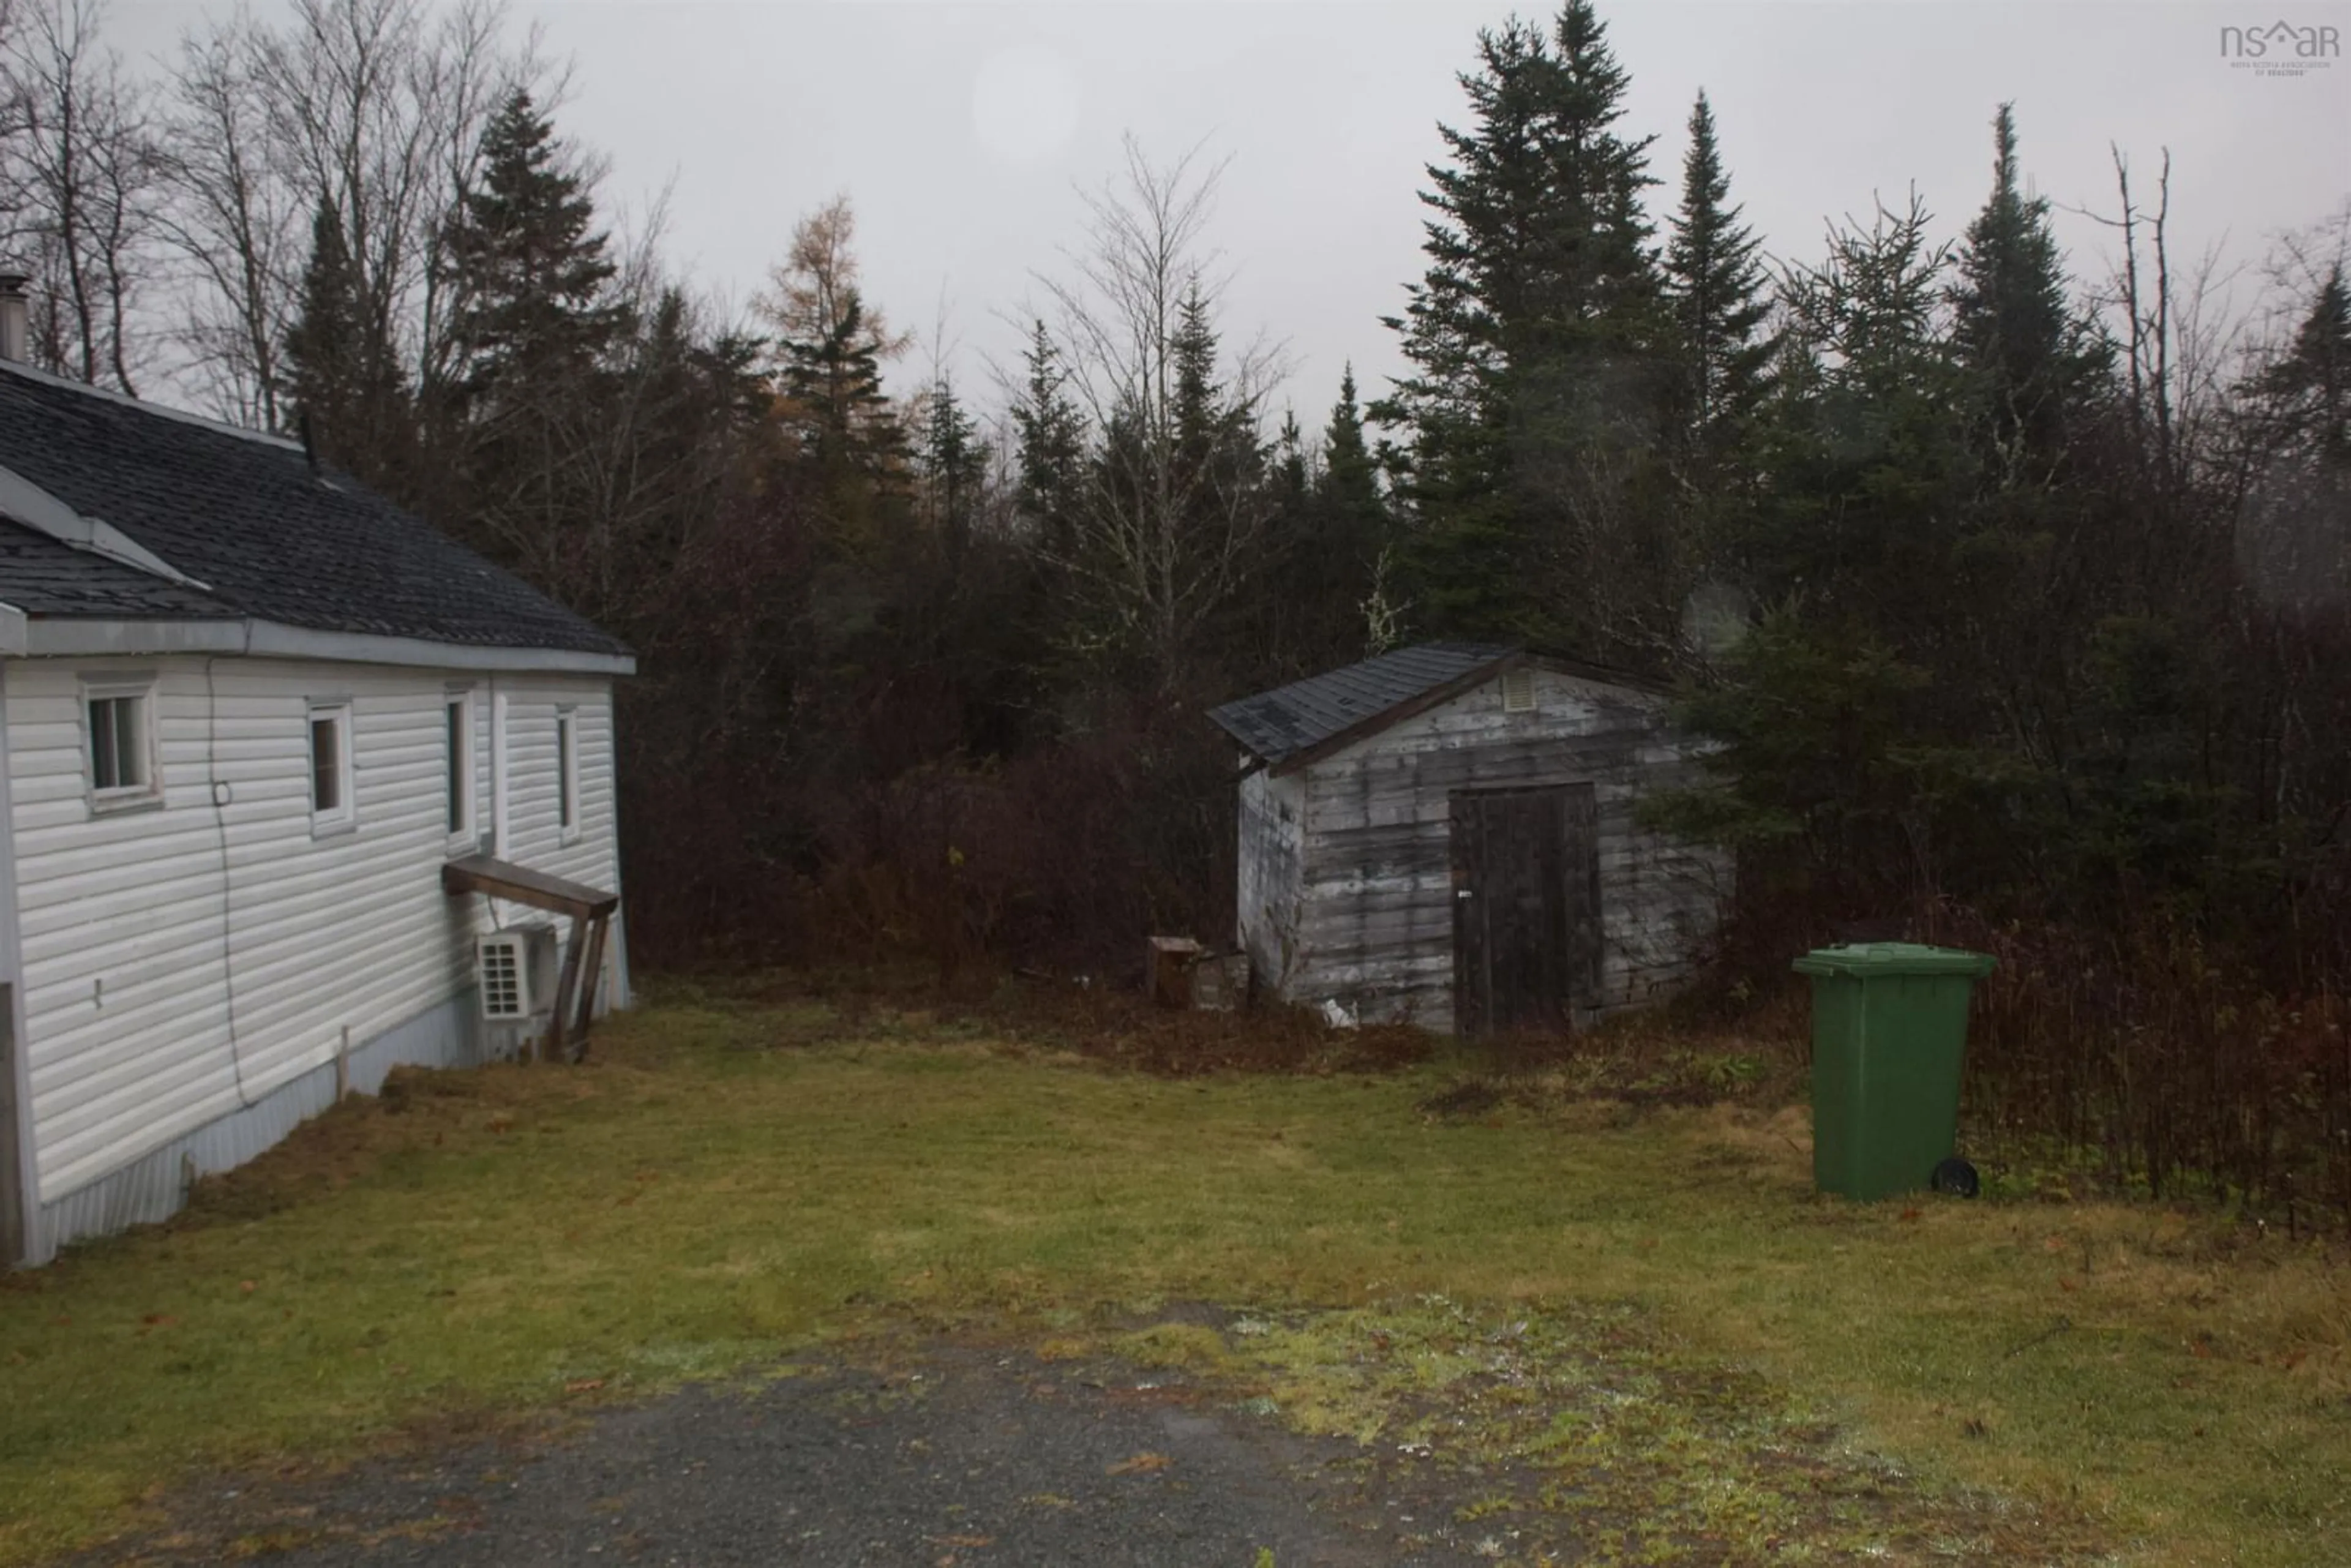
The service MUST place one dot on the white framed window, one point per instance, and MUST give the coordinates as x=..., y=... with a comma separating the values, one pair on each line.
x=567, y=772
x=119, y=745
x=332, y=810
x=1518, y=691
x=457, y=737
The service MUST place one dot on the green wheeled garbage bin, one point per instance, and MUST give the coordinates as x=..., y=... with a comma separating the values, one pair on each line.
x=1889, y=1034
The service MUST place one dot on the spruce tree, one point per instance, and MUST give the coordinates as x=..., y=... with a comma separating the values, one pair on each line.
x=342, y=391
x=1355, y=522
x=2031, y=356
x=831, y=383
x=952, y=459
x=1354, y=526
x=529, y=268
x=1532, y=335
x=1715, y=284
x=2309, y=387
x=531, y=325
x=1871, y=478
x=1215, y=447
x=1350, y=479
x=1050, y=440
x=1290, y=468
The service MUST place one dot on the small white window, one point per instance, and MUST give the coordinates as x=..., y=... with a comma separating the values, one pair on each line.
x=120, y=722
x=457, y=724
x=1518, y=691
x=567, y=772
x=331, y=767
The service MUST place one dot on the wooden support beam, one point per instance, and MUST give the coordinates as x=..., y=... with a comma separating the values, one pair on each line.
x=570, y=975
x=589, y=910
x=520, y=884
x=589, y=968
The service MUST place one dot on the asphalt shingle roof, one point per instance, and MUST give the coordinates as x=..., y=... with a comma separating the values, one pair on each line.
x=42, y=576
x=248, y=516
x=1278, y=724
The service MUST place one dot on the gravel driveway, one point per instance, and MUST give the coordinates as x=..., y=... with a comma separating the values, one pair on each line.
x=953, y=1455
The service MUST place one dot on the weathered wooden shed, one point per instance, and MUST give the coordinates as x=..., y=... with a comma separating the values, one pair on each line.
x=1446, y=835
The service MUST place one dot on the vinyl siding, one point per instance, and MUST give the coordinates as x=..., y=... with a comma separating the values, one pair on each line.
x=148, y=936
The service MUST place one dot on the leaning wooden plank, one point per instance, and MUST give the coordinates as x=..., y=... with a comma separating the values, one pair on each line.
x=589, y=969
x=568, y=977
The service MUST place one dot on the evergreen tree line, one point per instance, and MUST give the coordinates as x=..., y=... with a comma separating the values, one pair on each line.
x=2019, y=607
x=2018, y=603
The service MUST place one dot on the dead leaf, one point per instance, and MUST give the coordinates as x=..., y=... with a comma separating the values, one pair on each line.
x=1142, y=1464
x=159, y=1320
x=247, y=1286
x=2067, y=1285
x=583, y=1385
x=1910, y=1214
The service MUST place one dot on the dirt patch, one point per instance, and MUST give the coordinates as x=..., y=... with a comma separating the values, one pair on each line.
x=1104, y=1018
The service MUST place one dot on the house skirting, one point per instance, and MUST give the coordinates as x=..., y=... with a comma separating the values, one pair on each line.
x=155, y=1187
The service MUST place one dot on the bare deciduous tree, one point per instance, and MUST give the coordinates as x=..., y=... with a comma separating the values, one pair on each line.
x=1165, y=535
x=236, y=225
x=78, y=182
x=374, y=107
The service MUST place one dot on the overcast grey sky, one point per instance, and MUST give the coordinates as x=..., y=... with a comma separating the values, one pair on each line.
x=960, y=130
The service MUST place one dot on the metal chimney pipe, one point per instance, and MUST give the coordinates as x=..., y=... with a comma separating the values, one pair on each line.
x=16, y=312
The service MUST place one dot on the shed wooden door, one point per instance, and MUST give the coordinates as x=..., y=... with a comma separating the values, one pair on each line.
x=1526, y=907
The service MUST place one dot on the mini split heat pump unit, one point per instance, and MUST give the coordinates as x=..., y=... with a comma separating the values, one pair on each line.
x=517, y=973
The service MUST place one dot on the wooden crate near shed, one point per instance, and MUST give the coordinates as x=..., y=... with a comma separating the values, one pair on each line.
x=1168, y=970
x=1179, y=972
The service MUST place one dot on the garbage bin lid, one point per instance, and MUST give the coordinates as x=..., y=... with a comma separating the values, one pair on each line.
x=1863, y=959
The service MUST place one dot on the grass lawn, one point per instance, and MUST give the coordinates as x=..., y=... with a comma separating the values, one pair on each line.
x=732, y=1177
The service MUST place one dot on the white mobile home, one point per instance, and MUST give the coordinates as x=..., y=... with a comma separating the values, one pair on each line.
x=1448, y=835
x=269, y=746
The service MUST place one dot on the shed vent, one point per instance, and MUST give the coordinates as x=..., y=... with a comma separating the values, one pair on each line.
x=504, y=963
x=1518, y=691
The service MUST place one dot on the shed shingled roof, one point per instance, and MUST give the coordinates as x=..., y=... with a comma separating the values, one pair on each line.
x=268, y=535
x=1278, y=724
